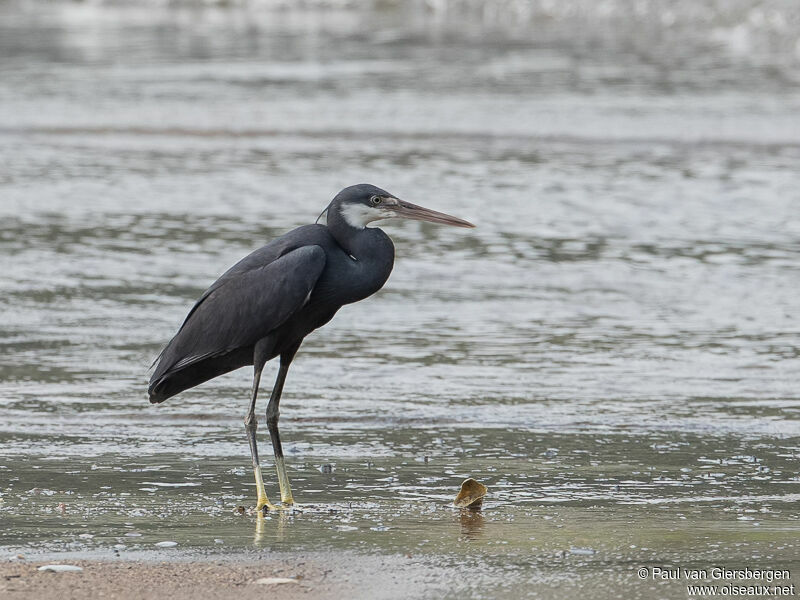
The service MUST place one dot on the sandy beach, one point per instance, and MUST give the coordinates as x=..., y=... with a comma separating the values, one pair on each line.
x=298, y=576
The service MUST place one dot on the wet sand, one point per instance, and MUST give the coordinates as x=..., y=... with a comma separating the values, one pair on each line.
x=329, y=575
x=314, y=576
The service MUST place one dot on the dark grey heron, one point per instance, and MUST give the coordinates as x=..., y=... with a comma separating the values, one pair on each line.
x=268, y=302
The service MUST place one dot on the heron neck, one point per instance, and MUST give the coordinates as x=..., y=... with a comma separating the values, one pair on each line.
x=356, y=241
x=367, y=244
x=371, y=248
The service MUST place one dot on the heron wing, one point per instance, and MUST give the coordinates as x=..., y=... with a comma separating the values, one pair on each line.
x=302, y=237
x=242, y=307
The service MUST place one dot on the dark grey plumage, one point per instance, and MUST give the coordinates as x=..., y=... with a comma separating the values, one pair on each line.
x=282, y=291
x=267, y=303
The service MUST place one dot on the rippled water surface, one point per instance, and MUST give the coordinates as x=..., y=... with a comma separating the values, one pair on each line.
x=613, y=351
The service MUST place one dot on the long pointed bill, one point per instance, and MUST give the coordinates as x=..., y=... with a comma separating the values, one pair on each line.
x=406, y=210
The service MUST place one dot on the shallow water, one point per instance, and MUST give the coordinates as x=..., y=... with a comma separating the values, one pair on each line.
x=613, y=351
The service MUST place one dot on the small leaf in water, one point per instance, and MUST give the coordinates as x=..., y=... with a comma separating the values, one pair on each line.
x=471, y=494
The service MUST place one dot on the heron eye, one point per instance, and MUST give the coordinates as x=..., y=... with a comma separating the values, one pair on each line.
x=375, y=200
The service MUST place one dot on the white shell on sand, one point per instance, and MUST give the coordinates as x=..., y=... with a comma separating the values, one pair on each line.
x=274, y=580
x=60, y=568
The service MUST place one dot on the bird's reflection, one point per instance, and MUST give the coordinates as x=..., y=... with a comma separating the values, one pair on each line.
x=472, y=523
x=272, y=529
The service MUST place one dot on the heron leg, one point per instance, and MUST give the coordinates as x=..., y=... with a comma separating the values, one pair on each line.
x=251, y=425
x=272, y=424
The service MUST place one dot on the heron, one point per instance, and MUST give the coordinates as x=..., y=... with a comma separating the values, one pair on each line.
x=265, y=305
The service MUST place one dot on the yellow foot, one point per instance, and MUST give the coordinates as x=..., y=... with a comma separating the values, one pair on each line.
x=265, y=503
x=283, y=482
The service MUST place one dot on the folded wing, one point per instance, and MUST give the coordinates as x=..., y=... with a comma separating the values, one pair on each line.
x=237, y=311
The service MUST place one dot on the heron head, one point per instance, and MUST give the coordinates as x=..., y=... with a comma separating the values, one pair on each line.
x=362, y=204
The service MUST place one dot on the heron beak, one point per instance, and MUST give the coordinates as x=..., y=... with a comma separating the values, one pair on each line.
x=406, y=210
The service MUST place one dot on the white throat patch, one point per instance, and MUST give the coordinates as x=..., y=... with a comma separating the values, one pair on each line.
x=359, y=215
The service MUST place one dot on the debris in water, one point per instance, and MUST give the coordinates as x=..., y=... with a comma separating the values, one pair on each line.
x=327, y=469
x=582, y=551
x=166, y=544
x=471, y=494
x=274, y=580
x=60, y=568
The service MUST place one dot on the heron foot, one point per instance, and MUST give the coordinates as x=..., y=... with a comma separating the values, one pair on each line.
x=283, y=482
x=270, y=507
x=264, y=503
